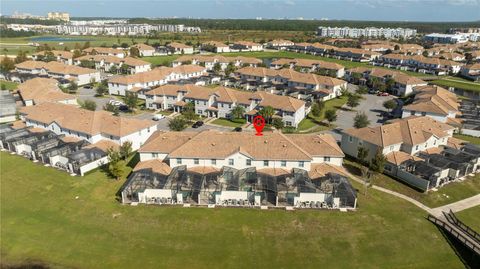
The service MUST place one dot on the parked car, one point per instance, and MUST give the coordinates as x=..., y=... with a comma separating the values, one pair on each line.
x=195, y=125
x=199, y=123
x=237, y=129
x=372, y=91
x=383, y=94
x=89, y=87
x=158, y=117
x=123, y=108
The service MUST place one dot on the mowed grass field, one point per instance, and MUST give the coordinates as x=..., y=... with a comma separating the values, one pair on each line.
x=43, y=222
x=470, y=217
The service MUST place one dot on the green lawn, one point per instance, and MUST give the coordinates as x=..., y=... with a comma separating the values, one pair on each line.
x=316, y=122
x=43, y=221
x=10, y=86
x=161, y=60
x=470, y=217
x=447, y=194
x=228, y=123
x=456, y=83
x=471, y=139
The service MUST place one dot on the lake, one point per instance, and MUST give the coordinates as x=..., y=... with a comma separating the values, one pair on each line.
x=58, y=39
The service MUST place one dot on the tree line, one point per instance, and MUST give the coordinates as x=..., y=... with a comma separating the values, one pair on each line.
x=302, y=25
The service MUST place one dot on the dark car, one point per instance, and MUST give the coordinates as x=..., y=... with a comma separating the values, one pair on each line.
x=237, y=129
x=88, y=87
x=195, y=125
x=199, y=123
x=372, y=91
x=123, y=108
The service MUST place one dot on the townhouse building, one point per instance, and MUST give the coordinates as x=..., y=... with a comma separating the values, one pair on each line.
x=40, y=90
x=402, y=84
x=210, y=61
x=307, y=65
x=246, y=46
x=378, y=47
x=419, y=63
x=92, y=126
x=215, y=46
x=107, y=63
x=471, y=71
x=435, y=102
x=452, y=56
x=279, y=44
x=145, y=50
x=369, y=32
x=179, y=48
x=159, y=76
x=118, y=52
x=65, y=57
x=219, y=102
x=78, y=74
x=326, y=87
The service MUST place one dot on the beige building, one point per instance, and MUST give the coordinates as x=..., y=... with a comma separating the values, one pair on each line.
x=41, y=90
x=58, y=16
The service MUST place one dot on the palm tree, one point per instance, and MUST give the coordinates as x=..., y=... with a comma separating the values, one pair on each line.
x=267, y=112
x=238, y=112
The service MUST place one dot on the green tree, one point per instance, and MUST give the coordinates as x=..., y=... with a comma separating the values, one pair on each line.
x=238, y=112
x=126, y=150
x=113, y=69
x=331, y=116
x=267, y=112
x=353, y=101
x=4, y=87
x=278, y=123
x=217, y=68
x=230, y=69
x=362, y=90
x=88, y=105
x=49, y=57
x=6, y=65
x=360, y=120
x=86, y=45
x=101, y=89
x=344, y=91
x=111, y=108
x=362, y=154
x=378, y=162
x=316, y=111
x=131, y=100
x=389, y=84
x=390, y=104
x=77, y=53
x=134, y=52
x=188, y=111
x=118, y=169
x=73, y=87
x=177, y=124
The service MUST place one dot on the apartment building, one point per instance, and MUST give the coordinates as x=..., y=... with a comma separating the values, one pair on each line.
x=218, y=102
x=58, y=16
x=435, y=102
x=92, y=126
x=446, y=38
x=403, y=84
x=41, y=90
x=210, y=61
x=307, y=65
x=419, y=63
x=65, y=57
x=158, y=76
x=179, y=48
x=107, y=63
x=471, y=71
x=78, y=74
x=119, y=52
x=120, y=27
x=369, y=32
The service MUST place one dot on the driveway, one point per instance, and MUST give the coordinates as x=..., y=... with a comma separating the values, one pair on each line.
x=371, y=105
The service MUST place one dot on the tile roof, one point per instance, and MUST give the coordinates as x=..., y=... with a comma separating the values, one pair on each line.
x=84, y=121
x=308, y=63
x=55, y=67
x=179, y=45
x=156, y=74
x=411, y=131
x=141, y=46
x=102, y=50
x=399, y=157
x=156, y=165
x=434, y=99
x=318, y=170
x=57, y=53
x=42, y=90
x=130, y=61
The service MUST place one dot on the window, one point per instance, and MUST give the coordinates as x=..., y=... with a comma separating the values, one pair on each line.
x=326, y=159
x=288, y=123
x=283, y=163
x=199, y=111
x=214, y=162
x=416, y=148
x=179, y=161
x=412, y=113
x=301, y=164
x=248, y=162
x=196, y=161
x=265, y=163
x=360, y=142
x=424, y=113
x=350, y=138
x=391, y=148
x=230, y=162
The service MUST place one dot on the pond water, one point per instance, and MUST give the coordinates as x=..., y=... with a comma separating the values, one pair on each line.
x=58, y=39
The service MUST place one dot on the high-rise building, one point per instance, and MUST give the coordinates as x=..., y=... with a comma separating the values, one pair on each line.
x=58, y=16
x=366, y=32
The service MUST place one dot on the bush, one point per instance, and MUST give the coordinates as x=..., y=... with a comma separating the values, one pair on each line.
x=177, y=124
x=361, y=120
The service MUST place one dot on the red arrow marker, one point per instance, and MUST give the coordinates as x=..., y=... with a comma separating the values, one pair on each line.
x=259, y=124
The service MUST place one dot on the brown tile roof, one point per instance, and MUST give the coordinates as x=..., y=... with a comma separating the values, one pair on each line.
x=42, y=90
x=179, y=45
x=317, y=144
x=156, y=74
x=204, y=170
x=411, y=131
x=216, y=44
x=456, y=143
x=247, y=43
x=104, y=145
x=55, y=67
x=102, y=50
x=309, y=63
x=434, y=99
x=155, y=165
x=141, y=46
x=84, y=121
x=318, y=170
x=399, y=157
x=166, y=142
x=130, y=61
x=275, y=172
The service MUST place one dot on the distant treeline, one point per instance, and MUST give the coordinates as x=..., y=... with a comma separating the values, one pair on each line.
x=303, y=25
x=6, y=20
x=12, y=33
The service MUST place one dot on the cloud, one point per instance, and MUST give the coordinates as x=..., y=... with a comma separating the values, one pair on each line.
x=290, y=2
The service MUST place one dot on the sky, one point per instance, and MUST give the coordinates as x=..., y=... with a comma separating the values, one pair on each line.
x=381, y=10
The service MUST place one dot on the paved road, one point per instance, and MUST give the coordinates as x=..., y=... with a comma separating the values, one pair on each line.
x=371, y=105
x=89, y=94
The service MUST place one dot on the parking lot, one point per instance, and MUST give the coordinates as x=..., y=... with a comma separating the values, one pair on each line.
x=89, y=94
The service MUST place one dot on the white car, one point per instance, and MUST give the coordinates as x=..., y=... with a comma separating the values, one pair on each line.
x=158, y=117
